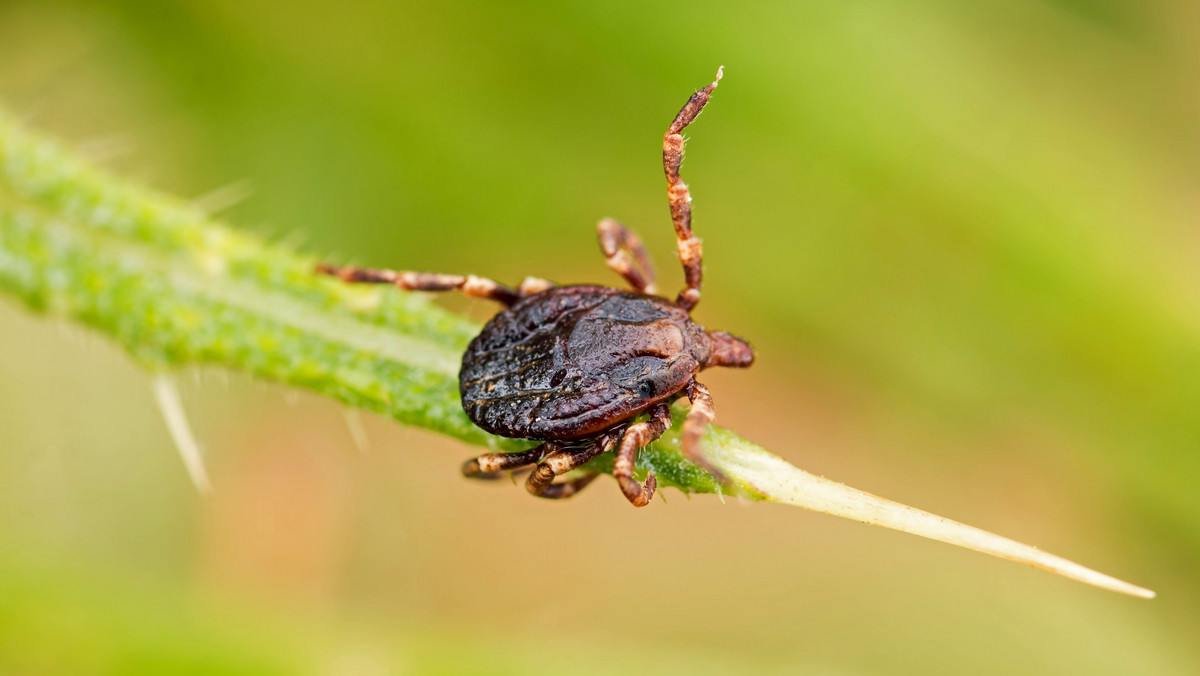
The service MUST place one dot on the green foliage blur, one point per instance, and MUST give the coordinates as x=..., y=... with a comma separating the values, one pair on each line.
x=962, y=237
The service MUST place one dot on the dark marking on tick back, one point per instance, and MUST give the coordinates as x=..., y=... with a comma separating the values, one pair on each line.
x=572, y=366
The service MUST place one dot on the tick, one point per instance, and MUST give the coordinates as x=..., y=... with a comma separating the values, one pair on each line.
x=574, y=366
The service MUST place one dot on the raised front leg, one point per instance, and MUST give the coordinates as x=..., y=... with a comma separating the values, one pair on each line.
x=470, y=285
x=679, y=197
x=626, y=255
x=637, y=436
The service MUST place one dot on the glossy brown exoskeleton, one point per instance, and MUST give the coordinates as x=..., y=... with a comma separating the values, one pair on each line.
x=573, y=366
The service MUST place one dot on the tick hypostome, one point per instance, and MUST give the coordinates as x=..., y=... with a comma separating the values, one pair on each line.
x=573, y=366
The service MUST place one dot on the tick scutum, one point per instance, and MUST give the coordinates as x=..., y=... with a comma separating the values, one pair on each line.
x=573, y=360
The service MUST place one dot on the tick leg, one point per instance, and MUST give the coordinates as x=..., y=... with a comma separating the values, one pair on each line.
x=637, y=436
x=626, y=255
x=541, y=482
x=699, y=417
x=470, y=285
x=566, y=489
x=680, y=199
x=531, y=285
x=491, y=465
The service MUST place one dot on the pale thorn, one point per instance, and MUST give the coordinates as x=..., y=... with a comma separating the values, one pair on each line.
x=101, y=149
x=171, y=407
x=780, y=482
x=357, y=432
x=720, y=73
x=294, y=239
x=224, y=197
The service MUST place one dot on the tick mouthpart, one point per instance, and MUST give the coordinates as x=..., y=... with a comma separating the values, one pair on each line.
x=729, y=351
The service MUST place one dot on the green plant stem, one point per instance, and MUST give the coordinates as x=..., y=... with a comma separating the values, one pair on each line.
x=174, y=288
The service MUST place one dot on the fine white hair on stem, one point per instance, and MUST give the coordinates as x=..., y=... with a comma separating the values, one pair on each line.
x=171, y=406
x=357, y=432
x=779, y=481
x=103, y=149
x=224, y=197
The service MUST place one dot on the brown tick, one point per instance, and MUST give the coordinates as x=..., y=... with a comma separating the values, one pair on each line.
x=573, y=366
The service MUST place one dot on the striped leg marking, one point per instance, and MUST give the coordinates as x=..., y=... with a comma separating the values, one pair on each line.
x=470, y=285
x=626, y=255
x=699, y=417
x=637, y=436
x=493, y=465
x=680, y=199
x=541, y=482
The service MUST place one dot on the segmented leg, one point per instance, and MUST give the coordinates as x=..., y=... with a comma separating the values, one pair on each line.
x=699, y=417
x=559, y=462
x=626, y=255
x=637, y=436
x=566, y=489
x=469, y=285
x=679, y=197
x=532, y=285
x=493, y=465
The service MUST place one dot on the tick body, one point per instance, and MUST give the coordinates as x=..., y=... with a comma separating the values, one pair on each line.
x=574, y=366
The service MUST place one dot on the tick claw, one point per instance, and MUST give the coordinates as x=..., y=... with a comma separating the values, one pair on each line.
x=471, y=469
x=639, y=495
x=648, y=489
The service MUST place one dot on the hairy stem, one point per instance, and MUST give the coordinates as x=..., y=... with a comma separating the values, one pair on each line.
x=156, y=275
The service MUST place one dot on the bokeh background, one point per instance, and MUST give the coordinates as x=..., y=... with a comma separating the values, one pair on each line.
x=962, y=236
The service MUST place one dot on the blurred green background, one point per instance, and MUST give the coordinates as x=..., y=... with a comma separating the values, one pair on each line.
x=962, y=236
